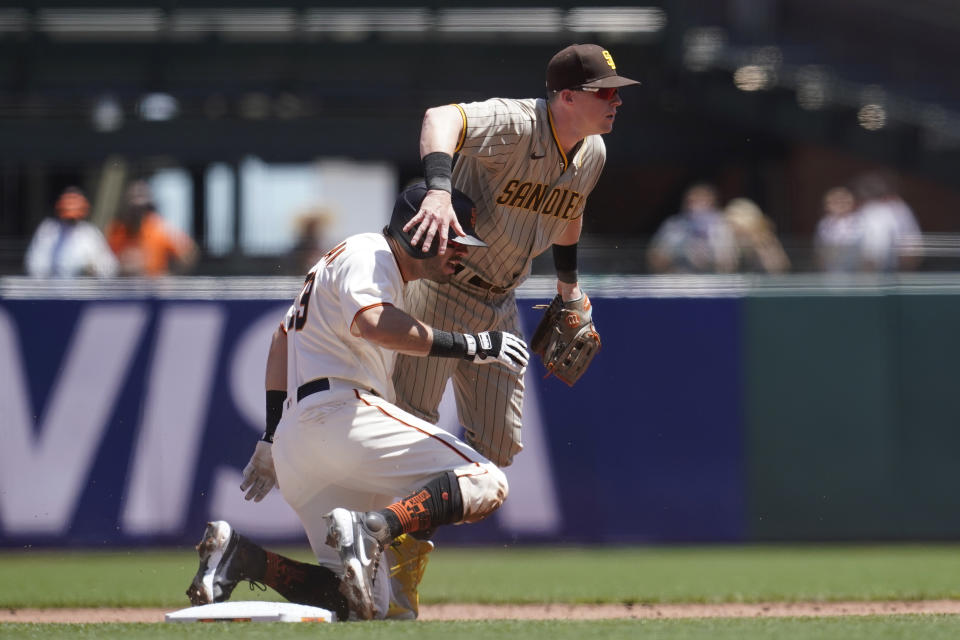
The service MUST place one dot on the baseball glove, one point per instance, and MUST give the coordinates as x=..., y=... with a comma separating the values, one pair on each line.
x=566, y=338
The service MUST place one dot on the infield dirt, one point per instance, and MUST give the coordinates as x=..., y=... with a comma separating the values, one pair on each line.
x=552, y=611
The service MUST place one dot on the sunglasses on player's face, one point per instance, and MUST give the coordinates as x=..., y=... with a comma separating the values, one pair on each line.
x=601, y=93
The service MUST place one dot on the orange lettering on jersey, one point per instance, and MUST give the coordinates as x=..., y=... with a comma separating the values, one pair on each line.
x=335, y=252
x=507, y=192
x=333, y=255
x=339, y=247
x=517, y=200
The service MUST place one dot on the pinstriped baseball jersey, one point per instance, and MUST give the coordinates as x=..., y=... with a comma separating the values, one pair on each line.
x=525, y=187
x=526, y=190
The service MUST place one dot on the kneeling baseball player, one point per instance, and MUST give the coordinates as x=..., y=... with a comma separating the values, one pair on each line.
x=338, y=447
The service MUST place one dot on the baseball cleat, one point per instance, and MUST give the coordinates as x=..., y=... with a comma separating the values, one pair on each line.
x=220, y=570
x=408, y=561
x=359, y=539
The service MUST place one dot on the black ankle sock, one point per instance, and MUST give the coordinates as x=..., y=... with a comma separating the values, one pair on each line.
x=298, y=582
x=436, y=503
x=303, y=583
x=252, y=559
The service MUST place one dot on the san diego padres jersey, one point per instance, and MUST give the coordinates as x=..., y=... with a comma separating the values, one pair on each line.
x=359, y=273
x=525, y=187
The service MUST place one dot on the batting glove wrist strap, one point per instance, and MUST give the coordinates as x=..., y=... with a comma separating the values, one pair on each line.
x=451, y=345
x=438, y=170
x=274, y=413
x=471, y=341
x=486, y=347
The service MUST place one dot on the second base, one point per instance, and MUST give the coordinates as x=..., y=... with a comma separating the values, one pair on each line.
x=251, y=611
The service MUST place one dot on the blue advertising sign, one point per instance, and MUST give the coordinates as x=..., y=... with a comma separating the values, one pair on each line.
x=128, y=421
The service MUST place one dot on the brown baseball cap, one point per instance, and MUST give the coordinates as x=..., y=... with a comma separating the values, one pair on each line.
x=584, y=65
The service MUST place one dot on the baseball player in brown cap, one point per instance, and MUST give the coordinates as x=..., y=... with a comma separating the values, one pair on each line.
x=529, y=165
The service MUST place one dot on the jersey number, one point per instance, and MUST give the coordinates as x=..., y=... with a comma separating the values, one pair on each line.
x=303, y=300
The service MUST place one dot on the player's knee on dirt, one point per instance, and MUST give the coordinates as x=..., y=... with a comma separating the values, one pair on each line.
x=482, y=490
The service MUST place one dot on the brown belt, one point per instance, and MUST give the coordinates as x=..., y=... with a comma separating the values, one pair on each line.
x=477, y=281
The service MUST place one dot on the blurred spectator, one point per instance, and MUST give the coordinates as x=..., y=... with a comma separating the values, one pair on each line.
x=311, y=241
x=696, y=240
x=758, y=249
x=144, y=243
x=839, y=236
x=891, y=235
x=69, y=245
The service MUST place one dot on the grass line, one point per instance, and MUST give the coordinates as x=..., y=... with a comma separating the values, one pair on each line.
x=137, y=578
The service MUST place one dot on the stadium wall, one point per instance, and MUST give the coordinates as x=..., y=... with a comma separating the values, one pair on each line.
x=717, y=411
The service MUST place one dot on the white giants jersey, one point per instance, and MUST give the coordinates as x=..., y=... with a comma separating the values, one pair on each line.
x=525, y=187
x=359, y=273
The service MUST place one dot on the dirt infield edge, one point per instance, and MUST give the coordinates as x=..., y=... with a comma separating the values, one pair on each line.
x=550, y=611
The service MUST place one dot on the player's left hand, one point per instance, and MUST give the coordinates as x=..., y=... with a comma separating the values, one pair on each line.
x=566, y=338
x=569, y=291
x=259, y=475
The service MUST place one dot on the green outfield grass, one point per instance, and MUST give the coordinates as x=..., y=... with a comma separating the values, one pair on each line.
x=518, y=574
x=867, y=628
x=31, y=578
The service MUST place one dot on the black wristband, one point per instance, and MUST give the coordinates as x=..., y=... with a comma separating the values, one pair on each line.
x=274, y=413
x=438, y=170
x=448, y=345
x=565, y=261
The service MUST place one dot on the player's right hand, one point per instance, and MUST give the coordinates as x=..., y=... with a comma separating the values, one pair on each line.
x=488, y=347
x=259, y=475
x=433, y=220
